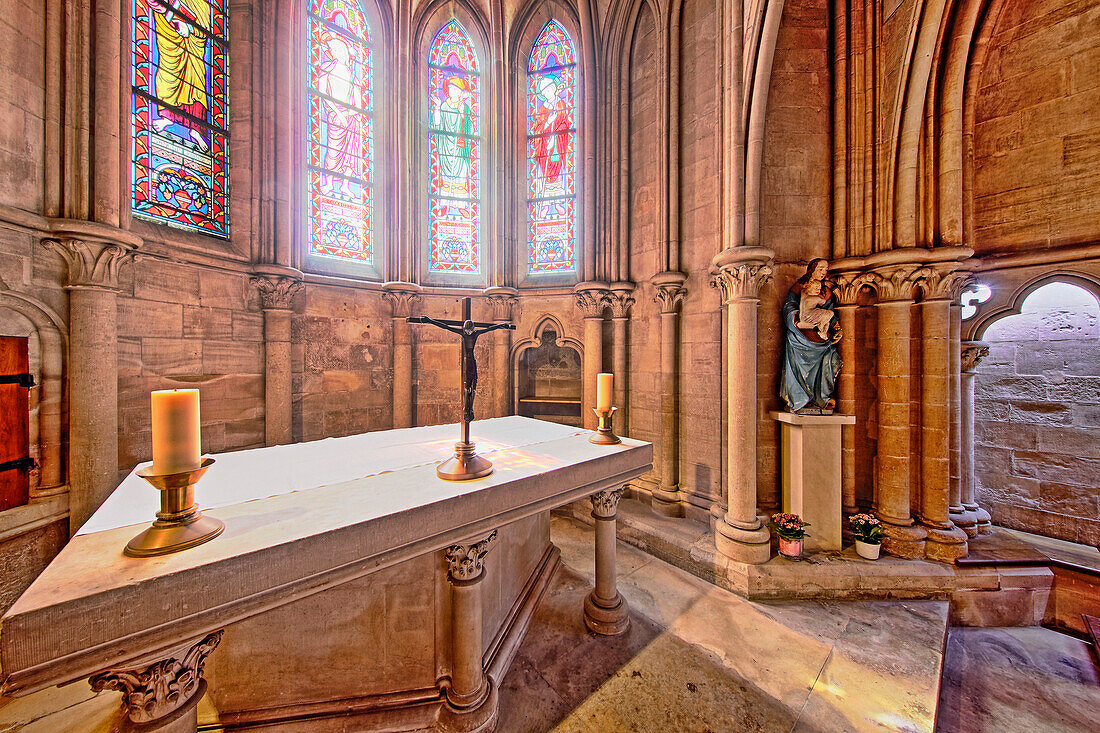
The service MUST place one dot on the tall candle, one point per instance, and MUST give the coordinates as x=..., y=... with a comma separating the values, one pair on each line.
x=176, y=441
x=604, y=381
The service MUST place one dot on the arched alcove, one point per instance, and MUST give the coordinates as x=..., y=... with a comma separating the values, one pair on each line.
x=1037, y=413
x=548, y=375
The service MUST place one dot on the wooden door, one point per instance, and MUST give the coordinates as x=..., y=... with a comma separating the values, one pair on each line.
x=15, y=461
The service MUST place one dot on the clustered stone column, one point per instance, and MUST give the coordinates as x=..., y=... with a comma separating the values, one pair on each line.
x=162, y=695
x=959, y=516
x=92, y=282
x=591, y=298
x=470, y=697
x=669, y=297
x=605, y=611
x=892, y=470
x=622, y=302
x=944, y=542
x=503, y=301
x=278, y=286
x=972, y=354
x=402, y=297
x=848, y=289
x=739, y=273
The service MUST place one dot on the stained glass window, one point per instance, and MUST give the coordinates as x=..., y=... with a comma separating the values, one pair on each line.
x=551, y=160
x=454, y=149
x=341, y=131
x=178, y=113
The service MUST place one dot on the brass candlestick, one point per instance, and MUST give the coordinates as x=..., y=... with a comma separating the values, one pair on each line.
x=604, y=435
x=179, y=524
x=464, y=465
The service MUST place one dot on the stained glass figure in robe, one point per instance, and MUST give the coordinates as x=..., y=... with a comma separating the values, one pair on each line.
x=340, y=192
x=454, y=152
x=551, y=138
x=178, y=113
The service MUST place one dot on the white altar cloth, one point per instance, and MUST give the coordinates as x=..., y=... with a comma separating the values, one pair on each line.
x=299, y=519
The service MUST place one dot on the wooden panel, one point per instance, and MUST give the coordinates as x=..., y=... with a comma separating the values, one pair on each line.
x=14, y=484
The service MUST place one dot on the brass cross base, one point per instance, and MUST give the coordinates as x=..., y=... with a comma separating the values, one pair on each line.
x=464, y=465
x=179, y=524
x=604, y=435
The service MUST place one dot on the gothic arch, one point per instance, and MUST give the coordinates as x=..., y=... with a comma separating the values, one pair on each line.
x=546, y=322
x=997, y=308
x=47, y=327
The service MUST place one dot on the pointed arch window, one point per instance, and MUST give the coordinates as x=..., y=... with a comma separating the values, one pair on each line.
x=340, y=184
x=178, y=113
x=454, y=153
x=551, y=158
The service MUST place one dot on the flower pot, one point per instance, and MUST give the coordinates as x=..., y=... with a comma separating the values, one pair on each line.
x=790, y=548
x=867, y=550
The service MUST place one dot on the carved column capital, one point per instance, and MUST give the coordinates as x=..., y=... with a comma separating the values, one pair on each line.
x=163, y=687
x=621, y=299
x=897, y=282
x=972, y=354
x=670, y=291
x=741, y=281
x=591, y=298
x=468, y=561
x=502, y=301
x=277, y=292
x=940, y=284
x=402, y=297
x=848, y=285
x=605, y=503
x=91, y=263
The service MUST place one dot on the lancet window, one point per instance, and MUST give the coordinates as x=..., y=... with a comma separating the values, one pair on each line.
x=340, y=147
x=454, y=150
x=551, y=159
x=179, y=113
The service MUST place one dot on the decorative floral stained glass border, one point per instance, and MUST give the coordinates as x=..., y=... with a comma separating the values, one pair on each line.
x=454, y=153
x=551, y=155
x=179, y=114
x=340, y=131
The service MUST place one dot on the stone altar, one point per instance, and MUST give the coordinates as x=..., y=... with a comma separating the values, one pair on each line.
x=350, y=581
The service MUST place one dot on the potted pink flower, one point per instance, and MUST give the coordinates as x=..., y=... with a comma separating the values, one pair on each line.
x=867, y=531
x=791, y=530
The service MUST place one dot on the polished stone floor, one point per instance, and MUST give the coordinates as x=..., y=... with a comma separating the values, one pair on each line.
x=1019, y=680
x=699, y=658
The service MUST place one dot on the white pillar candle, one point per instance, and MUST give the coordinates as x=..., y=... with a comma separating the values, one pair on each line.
x=176, y=434
x=604, y=381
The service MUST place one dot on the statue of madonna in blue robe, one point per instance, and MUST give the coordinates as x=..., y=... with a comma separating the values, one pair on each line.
x=811, y=360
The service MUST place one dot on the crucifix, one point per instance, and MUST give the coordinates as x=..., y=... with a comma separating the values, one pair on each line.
x=465, y=464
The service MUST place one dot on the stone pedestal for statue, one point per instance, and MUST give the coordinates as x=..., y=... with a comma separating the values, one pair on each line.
x=811, y=470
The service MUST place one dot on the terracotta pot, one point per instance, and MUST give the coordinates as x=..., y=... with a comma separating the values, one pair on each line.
x=867, y=550
x=790, y=548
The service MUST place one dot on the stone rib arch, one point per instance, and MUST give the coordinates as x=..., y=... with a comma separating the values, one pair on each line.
x=997, y=309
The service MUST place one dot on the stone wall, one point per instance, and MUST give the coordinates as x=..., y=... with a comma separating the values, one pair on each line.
x=1036, y=131
x=1037, y=417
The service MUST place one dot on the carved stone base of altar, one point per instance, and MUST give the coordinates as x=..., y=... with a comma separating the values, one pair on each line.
x=812, y=475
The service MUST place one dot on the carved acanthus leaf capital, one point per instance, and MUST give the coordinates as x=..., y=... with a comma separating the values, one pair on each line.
x=468, y=561
x=937, y=284
x=161, y=688
x=92, y=264
x=277, y=291
x=605, y=503
x=897, y=282
x=741, y=281
x=848, y=285
x=972, y=354
x=592, y=300
x=621, y=302
x=502, y=305
x=401, y=296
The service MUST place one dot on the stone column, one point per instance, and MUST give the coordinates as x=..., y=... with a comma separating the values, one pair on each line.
x=962, y=519
x=739, y=274
x=622, y=302
x=944, y=542
x=162, y=695
x=605, y=611
x=278, y=286
x=972, y=354
x=848, y=288
x=92, y=283
x=503, y=302
x=591, y=298
x=669, y=297
x=402, y=297
x=470, y=697
x=892, y=469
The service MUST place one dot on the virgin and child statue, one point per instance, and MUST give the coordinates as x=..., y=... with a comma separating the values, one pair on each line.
x=811, y=359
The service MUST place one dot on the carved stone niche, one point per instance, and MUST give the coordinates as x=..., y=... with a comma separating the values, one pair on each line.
x=549, y=375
